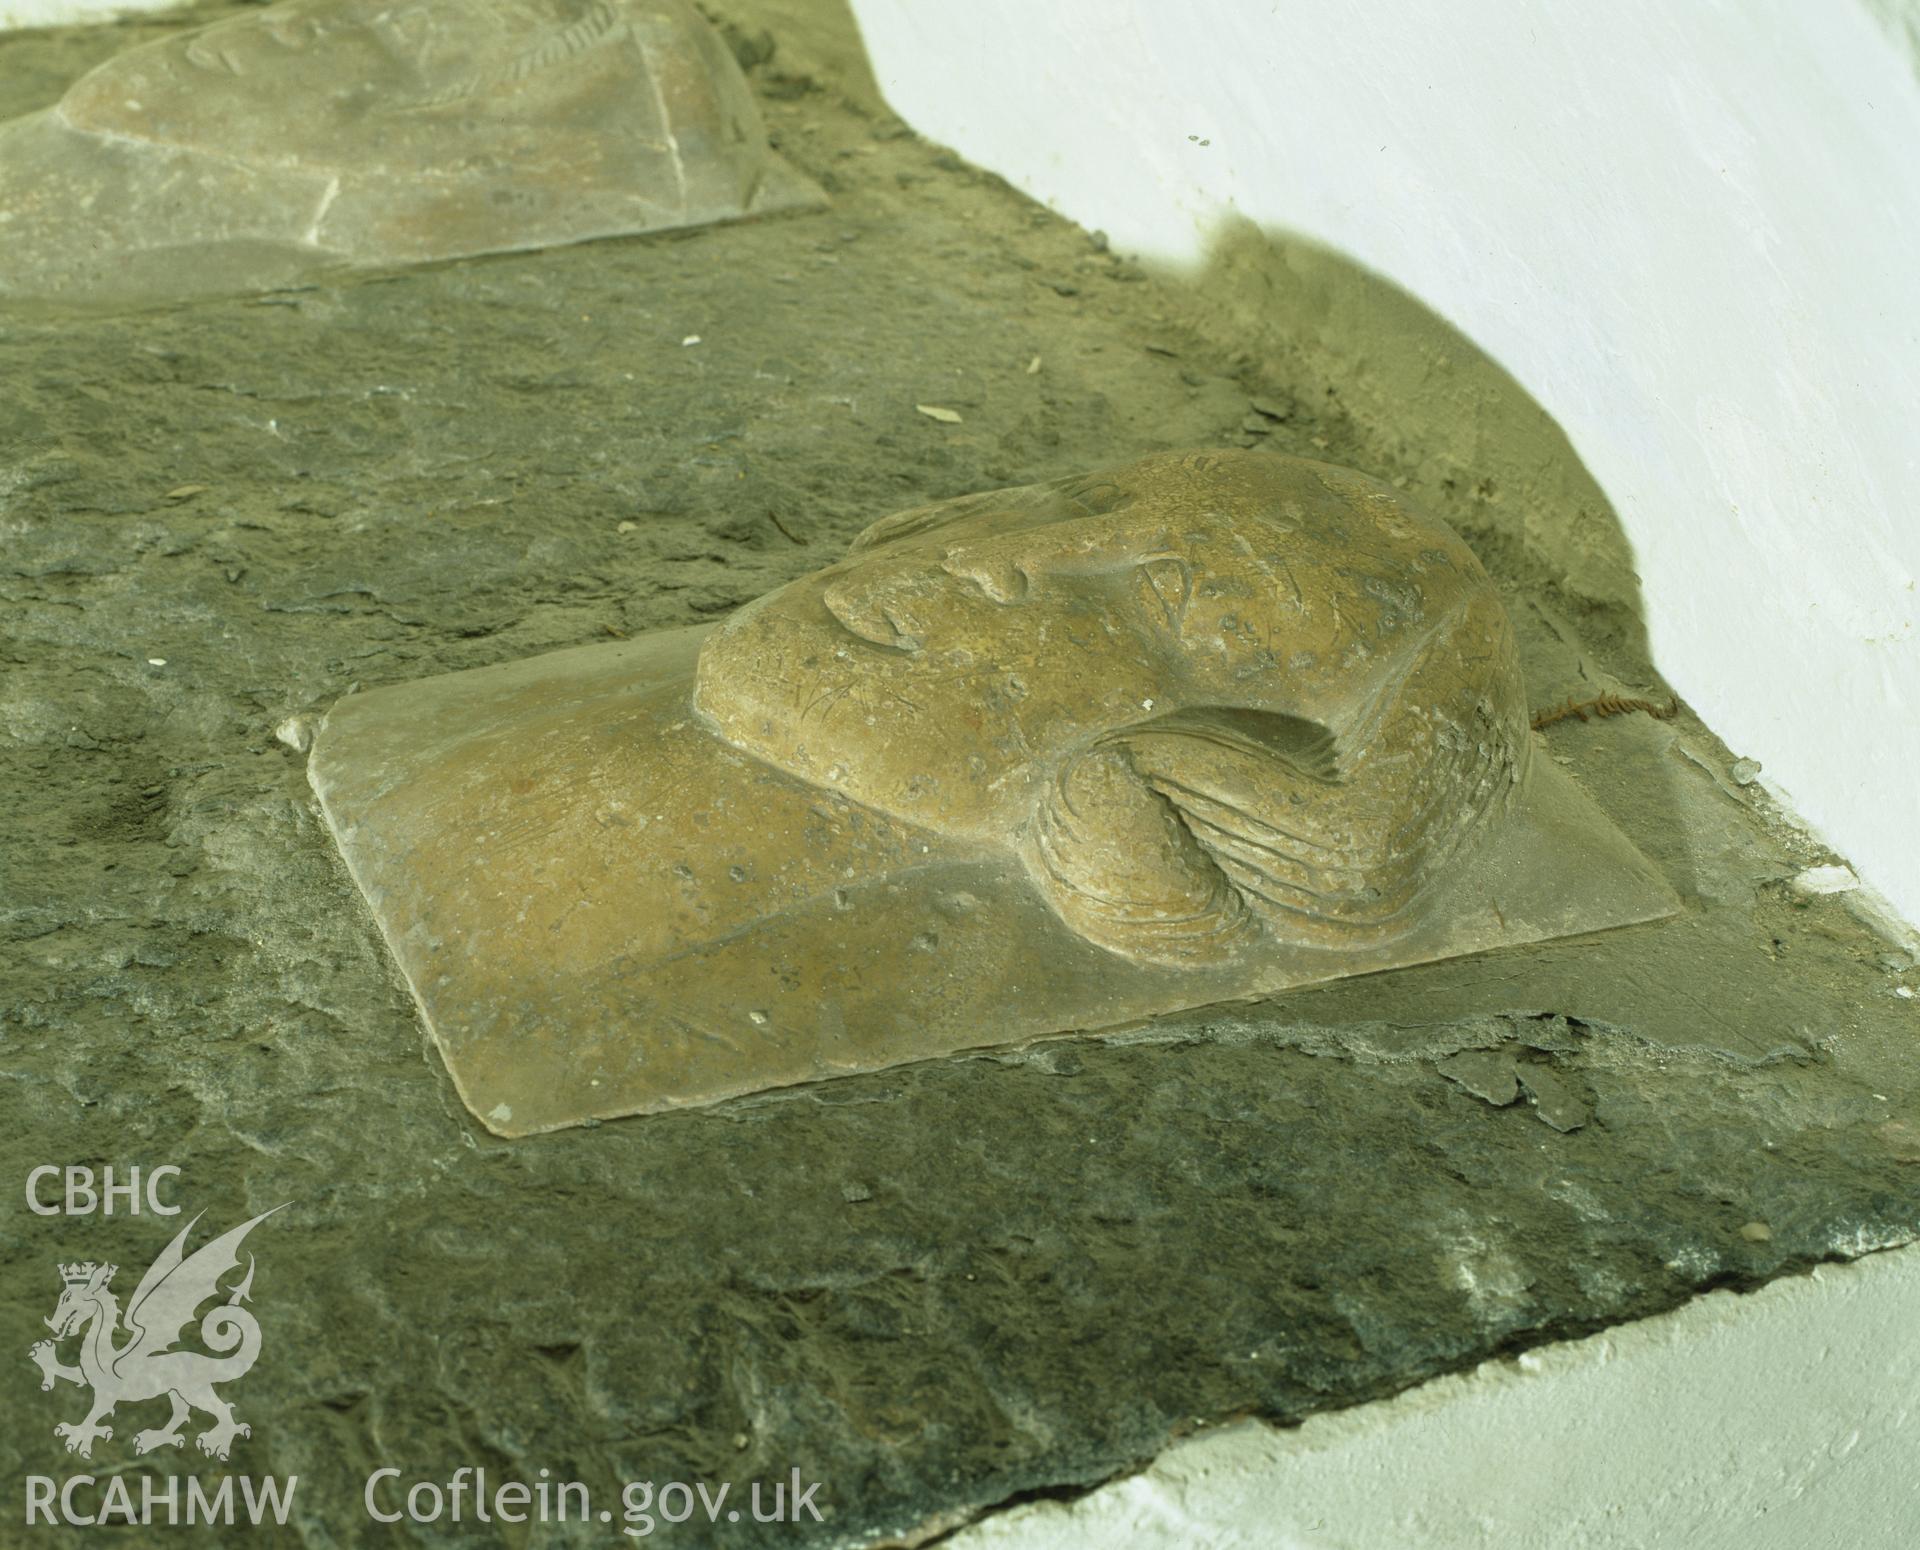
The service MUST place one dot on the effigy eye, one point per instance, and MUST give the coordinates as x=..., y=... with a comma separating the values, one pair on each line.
x=1168, y=583
x=1001, y=580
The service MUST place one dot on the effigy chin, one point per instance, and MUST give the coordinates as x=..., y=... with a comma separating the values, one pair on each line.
x=320, y=135
x=1058, y=758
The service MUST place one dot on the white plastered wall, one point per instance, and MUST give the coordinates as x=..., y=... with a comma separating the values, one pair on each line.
x=1691, y=232
x=1784, y=1420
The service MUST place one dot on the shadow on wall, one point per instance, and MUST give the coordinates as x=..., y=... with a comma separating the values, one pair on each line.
x=1470, y=442
x=1381, y=382
x=1900, y=19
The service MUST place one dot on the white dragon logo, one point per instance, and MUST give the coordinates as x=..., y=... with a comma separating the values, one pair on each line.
x=162, y=1306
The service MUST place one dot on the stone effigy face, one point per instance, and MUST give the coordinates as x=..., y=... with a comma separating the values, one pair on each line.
x=1201, y=727
x=379, y=132
x=1215, y=698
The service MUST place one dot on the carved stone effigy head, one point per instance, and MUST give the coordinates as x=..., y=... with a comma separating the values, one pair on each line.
x=1199, y=728
x=379, y=132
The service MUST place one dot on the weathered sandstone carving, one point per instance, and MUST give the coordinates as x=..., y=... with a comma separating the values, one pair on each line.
x=1204, y=726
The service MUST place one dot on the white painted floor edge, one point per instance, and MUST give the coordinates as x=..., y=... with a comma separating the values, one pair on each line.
x=1783, y=1419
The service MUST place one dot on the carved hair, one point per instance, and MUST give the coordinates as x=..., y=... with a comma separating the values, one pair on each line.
x=553, y=43
x=1183, y=838
x=1344, y=706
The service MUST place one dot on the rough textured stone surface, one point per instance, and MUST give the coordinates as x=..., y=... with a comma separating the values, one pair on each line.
x=931, y=1288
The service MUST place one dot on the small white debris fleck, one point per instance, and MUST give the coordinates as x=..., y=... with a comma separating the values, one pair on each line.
x=156, y=661
x=627, y=527
x=1033, y=367
x=1826, y=879
x=758, y=1019
x=691, y=339
x=1744, y=771
x=1146, y=704
x=501, y=1113
x=935, y=412
x=296, y=732
x=1904, y=992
